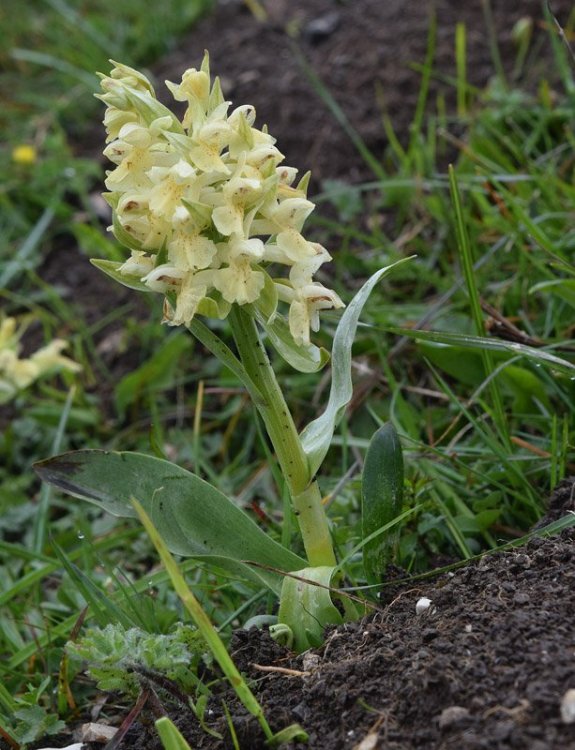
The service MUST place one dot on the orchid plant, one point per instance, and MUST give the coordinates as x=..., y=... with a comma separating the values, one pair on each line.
x=18, y=373
x=213, y=221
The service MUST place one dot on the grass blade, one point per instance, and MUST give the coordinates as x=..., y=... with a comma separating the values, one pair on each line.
x=537, y=356
x=203, y=623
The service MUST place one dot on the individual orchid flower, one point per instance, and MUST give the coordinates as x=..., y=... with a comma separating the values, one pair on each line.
x=170, y=187
x=240, y=282
x=208, y=144
x=305, y=307
x=188, y=248
x=238, y=194
x=192, y=290
x=130, y=98
x=147, y=229
x=50, y=359
x=17, y=373
x=139, y=264
x=195, y=90
x=136, y=151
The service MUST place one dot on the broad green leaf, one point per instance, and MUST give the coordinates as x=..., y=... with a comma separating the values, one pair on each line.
x=316, y=437
x=382, y=499
x=307, y=609
x=302, y=358
x=464, y=365
x=194, y=518
x=539, y=356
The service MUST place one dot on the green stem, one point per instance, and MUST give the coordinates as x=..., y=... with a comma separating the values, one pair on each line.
x=314, y=528
x=306, y=497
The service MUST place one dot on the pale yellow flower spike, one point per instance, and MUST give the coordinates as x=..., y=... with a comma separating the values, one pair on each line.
x=204, y=205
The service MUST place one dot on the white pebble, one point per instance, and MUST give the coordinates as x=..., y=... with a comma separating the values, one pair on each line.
x=75, y=746
x=94, y=732
x=422, y=605
x=568, y=707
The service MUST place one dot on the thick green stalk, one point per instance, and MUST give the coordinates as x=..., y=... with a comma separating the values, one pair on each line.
x=314, y=528
x=283, y=434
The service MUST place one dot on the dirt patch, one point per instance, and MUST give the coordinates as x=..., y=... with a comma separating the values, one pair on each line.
x=364, y=52
x=486, y=666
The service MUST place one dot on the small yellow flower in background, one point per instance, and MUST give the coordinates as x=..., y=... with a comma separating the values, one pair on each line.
x=17, y=373
x=204, y=205
x=24, y=154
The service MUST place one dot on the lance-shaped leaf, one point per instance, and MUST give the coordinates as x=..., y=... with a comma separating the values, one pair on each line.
x=170, y=735
x=563, y=288
x=316, y=437
x=538, y=356
x=382, y=499
x=194, y=518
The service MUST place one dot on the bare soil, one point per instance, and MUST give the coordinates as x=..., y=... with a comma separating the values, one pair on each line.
x=489, y=662
x=366, y=54
x=486, y=666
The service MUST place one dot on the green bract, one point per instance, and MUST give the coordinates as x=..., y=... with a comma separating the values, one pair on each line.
x=204, y=206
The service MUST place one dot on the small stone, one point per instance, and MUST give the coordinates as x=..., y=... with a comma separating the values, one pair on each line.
x=521, y=598
x=521, y=561
x=75, y=746
x=422, y=605
x=322, y=28
x=503, y=729
x=452, y=715
x=310, y=662
x=568, y=707
x=93, y=732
